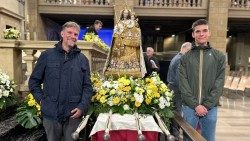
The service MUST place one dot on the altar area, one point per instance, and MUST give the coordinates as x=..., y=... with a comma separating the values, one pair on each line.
x=124, y=100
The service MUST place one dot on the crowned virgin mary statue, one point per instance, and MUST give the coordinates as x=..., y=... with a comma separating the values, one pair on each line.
x=125, y=57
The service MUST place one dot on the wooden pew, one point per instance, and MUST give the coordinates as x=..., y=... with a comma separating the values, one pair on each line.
x=241, y=86
x=232, y=93
x=247, y=88
x=227, y=85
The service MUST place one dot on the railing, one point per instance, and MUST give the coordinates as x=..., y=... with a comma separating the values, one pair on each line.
x=11, y=51
x=240, y=4
x=77, y=2
x=188, y=129
x=170, y=3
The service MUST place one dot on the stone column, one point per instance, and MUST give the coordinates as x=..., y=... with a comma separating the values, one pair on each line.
x=218, y=20
x=11, y=59
x=36, y=25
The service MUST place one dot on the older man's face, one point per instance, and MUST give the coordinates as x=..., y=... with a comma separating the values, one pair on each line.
x=70, y=36
x=150, y=52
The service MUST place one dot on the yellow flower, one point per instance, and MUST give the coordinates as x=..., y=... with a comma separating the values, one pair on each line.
x=31, y=103
x=116, y=100
x=102, y=92
x=38, y=107
x=30, y=96
x=137, y=104
x=124, y=99
x=148, y=100
x=157, y=95
x=98, y=96
x=126, y=89
x=103, y=99
x=112, y=92
x=152, y=87
x=124, y=81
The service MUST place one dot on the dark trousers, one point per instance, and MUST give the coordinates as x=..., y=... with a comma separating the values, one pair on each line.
x=60, y=131
x=174, y=127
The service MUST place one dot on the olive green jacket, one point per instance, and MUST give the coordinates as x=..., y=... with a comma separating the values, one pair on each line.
x=212, y=77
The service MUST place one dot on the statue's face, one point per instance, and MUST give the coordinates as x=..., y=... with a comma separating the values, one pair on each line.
x=132, y=17
x=125, y=14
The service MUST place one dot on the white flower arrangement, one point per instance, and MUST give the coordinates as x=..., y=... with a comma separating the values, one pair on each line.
x=7, y=89
x=11, y=33
x=127, y=95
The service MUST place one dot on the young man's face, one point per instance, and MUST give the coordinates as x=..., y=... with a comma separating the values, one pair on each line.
x=98, y=26
x=69, y=36
x=201, y=34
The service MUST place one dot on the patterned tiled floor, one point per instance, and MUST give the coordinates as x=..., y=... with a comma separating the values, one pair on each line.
x=233, y=120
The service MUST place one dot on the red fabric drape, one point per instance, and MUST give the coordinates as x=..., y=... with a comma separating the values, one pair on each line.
x=126, y=135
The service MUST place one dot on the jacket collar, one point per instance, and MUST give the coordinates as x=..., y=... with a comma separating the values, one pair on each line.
x=195, y=47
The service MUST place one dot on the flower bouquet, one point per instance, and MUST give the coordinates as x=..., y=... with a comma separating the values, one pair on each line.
x=7, y=89
x=91, y=37
x=126, y=95
x=11, y=33
x=28, y=114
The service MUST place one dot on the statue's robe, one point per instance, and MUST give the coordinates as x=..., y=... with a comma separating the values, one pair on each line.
x=125, y=56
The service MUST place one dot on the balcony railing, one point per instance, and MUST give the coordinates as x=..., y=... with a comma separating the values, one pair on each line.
x=239, y=9
x=170, y=3
x=77, y=2
x=240, y=4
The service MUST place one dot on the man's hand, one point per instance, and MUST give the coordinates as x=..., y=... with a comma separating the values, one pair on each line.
x=201, y=110
x=76, y=113
x=153, y=65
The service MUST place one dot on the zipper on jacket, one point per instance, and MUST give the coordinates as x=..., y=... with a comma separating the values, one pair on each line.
x=200, y=75
x=66, y=56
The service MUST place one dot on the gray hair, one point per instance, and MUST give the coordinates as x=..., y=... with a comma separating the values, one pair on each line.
x=71, y=24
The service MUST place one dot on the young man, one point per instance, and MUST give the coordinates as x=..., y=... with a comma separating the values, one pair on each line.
x=95, y=28
x=201, y=79
x=172, y=80
x=66, y=92
x=151, y=62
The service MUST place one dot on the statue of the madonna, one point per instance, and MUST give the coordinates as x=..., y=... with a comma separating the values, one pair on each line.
x=125, y=56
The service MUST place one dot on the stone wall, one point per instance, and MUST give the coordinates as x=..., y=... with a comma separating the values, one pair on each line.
x=218, y=19
x=11, y=14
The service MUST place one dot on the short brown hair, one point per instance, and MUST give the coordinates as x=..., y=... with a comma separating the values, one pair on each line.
x=98, y=22
x=199, y=22
x=71, y=24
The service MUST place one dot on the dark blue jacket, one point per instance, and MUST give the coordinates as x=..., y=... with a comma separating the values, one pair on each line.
x=66, y=82
x=172, y=77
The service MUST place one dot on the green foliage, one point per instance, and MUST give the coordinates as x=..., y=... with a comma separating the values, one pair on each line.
x=27, y=116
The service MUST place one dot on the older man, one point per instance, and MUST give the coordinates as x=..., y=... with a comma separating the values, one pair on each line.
x=67, y=90
x=151, y=62
x=172, y=80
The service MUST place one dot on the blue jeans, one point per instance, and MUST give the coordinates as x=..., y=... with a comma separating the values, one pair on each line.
x=207, y=123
